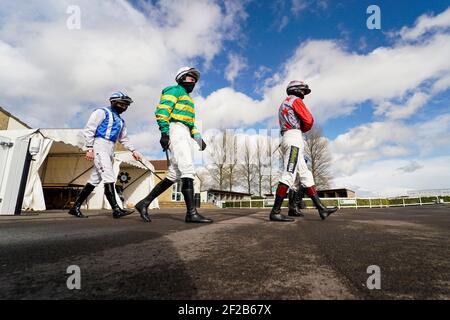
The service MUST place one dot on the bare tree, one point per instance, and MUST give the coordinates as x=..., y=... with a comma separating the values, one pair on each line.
x=316, y=149
x=247, y=167
x=272, y=155
x=204, y=178
x=260, y=162
x=231, y=157
x=218, y=157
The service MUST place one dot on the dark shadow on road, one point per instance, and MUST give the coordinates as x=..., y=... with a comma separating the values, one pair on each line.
x=114, y=265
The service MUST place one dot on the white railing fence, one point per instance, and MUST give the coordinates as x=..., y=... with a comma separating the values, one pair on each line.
x=341, y=202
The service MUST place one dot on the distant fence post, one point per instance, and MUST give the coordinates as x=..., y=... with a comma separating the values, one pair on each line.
x=370, y=203
x=403, y=200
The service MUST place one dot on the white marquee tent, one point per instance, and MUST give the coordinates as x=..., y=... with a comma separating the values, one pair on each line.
x=58, y=162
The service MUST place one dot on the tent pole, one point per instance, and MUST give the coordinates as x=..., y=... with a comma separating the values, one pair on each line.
x=137, y=179
x=80, y=175
x=150, y=170
x=23, y=182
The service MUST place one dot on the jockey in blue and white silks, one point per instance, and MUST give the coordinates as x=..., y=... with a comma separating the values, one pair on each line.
x=111, y=126
x=104, y=128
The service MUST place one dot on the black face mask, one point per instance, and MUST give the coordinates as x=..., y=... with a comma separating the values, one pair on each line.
x=119, y=109
x=188, y=86
x=297, y=93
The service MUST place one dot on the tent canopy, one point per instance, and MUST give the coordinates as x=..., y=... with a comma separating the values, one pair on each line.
x=58, y=156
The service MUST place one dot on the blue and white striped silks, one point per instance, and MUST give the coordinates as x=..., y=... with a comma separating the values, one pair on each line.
x=111, y=126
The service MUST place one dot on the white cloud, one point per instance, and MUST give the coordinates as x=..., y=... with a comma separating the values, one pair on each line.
x=341, y=80
x=285, y=11
x=47, y=66
x=261, y=72
x=284, y=21
x=322, y=4
x=426, y=23
x=433, y=134
x=411, y=166
x=227, y=108
x=236, y=64
x=299, y=5
x=366, y=143
x=404, y=110
x=147, y=141
x=380, y=140
x=50, y=74
x=382, y=178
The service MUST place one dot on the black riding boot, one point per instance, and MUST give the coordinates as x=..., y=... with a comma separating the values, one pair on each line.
x=75, y=210
x=142, y=206
x=295, y=202
x=188, y=193
x=275, y=214
x=111, y=196
x=324, y=212
x=301, y=195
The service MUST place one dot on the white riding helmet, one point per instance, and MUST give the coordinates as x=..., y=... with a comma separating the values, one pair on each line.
x=298, y=85
x=187, y=71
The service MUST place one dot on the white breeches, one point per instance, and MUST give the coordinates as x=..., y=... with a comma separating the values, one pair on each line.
x=103, y=162
x=296, y=171
x=181, y=153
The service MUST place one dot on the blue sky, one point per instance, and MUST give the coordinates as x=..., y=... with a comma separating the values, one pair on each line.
x=263, y=44
x=381, y=96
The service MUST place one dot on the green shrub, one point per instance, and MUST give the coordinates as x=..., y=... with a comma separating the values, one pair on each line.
x=257, y=204
x=411, y=200
x=363, y=202
x=395, y=201
x=245, y=204
x=331, y=203
x=309, y=203
x=428, y=199
x=376, y=202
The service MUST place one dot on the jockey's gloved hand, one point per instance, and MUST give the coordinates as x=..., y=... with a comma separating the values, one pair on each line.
x=165, y=141
x=203, y=145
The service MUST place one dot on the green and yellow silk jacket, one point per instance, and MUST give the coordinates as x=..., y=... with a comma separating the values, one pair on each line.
x=176, y=105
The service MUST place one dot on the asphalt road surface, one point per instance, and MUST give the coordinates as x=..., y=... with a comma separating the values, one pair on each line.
x=240, y=256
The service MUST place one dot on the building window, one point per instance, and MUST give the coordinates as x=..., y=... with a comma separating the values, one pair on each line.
x=176, y=192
